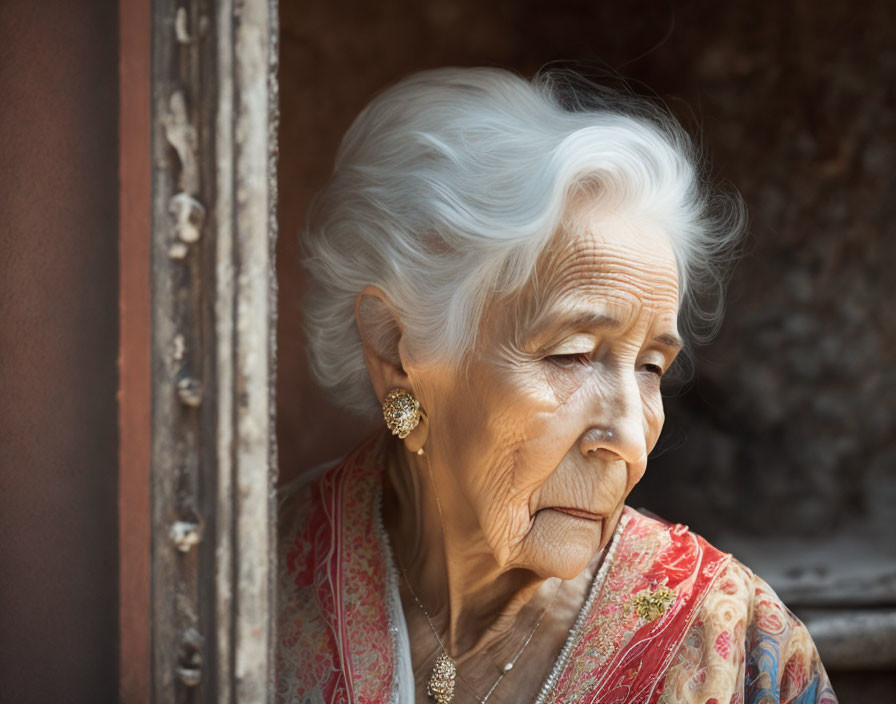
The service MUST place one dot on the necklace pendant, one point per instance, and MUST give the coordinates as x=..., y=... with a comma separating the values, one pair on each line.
x=441, y=682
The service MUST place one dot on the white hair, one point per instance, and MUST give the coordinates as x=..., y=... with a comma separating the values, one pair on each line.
x=450, y=184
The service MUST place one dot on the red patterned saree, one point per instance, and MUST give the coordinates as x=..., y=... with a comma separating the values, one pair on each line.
x=670, y=618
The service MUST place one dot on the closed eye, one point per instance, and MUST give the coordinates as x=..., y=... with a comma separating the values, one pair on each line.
x=569, y=360
x=653, y=369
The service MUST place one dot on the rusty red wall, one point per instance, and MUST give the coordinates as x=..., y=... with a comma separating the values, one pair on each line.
x=58, y=339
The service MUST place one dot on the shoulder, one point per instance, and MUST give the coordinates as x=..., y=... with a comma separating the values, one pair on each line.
x=733, y=584
x=312, y=505
x=746, y=646
x=322, y=521
x=743, y=644
x=781, y=658
x=303, y=616
x=672, y=552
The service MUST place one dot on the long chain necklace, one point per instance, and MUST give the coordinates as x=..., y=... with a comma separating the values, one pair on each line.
x=441, y=683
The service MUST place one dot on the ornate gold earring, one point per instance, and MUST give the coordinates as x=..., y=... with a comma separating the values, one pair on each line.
x=401, y=411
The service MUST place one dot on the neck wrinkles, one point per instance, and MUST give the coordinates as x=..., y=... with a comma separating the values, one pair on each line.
x=471, y=601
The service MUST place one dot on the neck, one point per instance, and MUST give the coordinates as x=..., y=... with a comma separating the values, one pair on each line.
x=472, y=601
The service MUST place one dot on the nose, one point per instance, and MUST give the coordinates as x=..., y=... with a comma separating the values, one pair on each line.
x=616, y=427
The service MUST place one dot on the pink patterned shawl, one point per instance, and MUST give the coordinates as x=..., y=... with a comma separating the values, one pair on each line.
x=723, y=635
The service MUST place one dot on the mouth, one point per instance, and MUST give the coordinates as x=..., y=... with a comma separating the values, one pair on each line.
x=578, y=513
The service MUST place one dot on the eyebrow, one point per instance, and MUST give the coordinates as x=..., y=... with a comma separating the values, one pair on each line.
x=590, y=320
x=585, y=320
x=668, y=340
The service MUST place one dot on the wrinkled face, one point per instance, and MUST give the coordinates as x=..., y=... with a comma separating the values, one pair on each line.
x=537, y=444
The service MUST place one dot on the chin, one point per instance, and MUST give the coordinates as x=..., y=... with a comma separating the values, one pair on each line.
x=565, y=546
x=564, y=566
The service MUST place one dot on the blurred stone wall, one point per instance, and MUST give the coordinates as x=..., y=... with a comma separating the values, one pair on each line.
x=791, y=422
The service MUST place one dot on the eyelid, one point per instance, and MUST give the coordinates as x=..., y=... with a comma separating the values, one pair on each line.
x=665, y=355
x=577, y=344
x=655, y=359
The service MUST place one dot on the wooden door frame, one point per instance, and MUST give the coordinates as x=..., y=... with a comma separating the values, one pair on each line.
x=198, y=125
x=135, y=325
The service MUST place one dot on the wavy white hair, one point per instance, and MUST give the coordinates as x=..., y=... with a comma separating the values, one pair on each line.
x=449, y=186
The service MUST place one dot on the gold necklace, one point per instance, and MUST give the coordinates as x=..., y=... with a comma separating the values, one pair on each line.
x=442, y=680
x=441, y=683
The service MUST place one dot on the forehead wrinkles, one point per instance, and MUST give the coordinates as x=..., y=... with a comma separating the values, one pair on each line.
x=605, y=259
x=620, y=271
x=610, y=266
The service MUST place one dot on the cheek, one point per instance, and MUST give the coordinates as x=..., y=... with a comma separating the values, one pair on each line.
x=547, y=432
x=525, y=435
x=485, y=424
x=562, y=382
x=551, y=414
x=654, y=416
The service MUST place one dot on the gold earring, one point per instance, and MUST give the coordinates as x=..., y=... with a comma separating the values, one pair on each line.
x=401, y=411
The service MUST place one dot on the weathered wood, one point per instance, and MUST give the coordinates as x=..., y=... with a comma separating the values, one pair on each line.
x=179, y=365
x=213, y=283
x=246, y=298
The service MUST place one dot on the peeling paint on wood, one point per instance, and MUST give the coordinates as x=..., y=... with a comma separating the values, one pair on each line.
x=188, y=215
x=213, y=306
x=181, y=135
x=185, y=535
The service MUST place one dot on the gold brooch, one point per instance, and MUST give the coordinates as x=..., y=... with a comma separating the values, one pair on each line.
x=650, y=604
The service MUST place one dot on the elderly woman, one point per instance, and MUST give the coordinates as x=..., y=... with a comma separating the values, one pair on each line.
x=505, y=270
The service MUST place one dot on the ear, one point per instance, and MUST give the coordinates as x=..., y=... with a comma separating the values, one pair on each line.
x=384, y=352
x=381, y=332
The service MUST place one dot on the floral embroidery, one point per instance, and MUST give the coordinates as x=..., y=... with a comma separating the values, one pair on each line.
x=769, y=623
x=796, y=679
x=332, y=620
x=723, y=645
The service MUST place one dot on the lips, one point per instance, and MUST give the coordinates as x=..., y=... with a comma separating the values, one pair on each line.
x=578, y=513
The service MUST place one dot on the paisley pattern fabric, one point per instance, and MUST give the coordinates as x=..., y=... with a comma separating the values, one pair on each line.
x=674, y=620
x=746, y=647
x=334, y=639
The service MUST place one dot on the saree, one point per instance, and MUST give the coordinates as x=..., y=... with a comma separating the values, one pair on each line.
x=669, y=619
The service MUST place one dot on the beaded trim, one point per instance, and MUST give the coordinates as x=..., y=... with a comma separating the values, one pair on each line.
x=391, y=588
x=576, y=631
